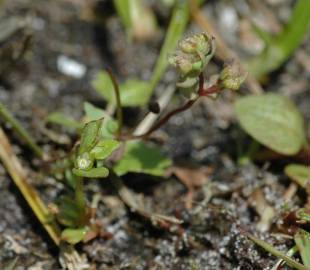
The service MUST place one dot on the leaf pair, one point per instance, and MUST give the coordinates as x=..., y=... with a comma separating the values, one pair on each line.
x=92, y=148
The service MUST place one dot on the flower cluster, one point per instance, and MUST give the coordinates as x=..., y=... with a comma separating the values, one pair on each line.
x=191, y=59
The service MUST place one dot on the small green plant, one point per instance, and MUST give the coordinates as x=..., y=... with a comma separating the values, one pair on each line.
x=85, y=161
x=101, y=136
x=104, y=148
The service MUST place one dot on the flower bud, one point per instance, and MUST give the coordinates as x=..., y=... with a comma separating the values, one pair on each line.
x=199, y=43
x=84, y=161
x=232, y=76
x=193, y=55
x=181, y=62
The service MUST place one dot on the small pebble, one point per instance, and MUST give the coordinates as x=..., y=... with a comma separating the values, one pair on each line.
x=70, y=67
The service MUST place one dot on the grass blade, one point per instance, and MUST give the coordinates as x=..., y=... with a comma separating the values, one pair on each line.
x=269, y=248
x=280, y=48
x=302, y=240
x=17, y=126
x=175, y=30
x=15, y=170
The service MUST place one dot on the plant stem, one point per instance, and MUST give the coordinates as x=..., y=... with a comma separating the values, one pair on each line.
x=80, y=200
x=15, y=169
x=118, y=103
x=16, y=125
x=163, y=121
x=79, y=193
x=202, y=92
x=151, y=118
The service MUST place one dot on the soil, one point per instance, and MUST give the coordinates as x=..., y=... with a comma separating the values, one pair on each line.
x=212, y=235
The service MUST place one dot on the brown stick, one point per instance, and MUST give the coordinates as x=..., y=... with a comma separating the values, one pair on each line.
x=16, y=171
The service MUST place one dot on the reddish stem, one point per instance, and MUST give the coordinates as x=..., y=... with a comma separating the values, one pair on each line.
x=201, y=92
x=162, y=121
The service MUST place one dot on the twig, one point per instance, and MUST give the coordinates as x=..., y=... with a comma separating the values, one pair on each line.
x=7, y=116
x=223, y=51
x=14, y=168
x=118, y=103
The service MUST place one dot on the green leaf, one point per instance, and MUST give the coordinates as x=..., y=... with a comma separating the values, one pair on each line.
x=73, y=236
x=63, y=120
x=269, y=248
x=140, y=158
x=273, y=120
x=109, y=125
x=300, y=174
x=174, y=33
x=303, y=215
x=92, y=112
x=69, y=213
x=100, y=172
x=109, y=128
x=123, y=10
x=89, y=136
x=133, y=92
x=302, y=240
x=104, y=148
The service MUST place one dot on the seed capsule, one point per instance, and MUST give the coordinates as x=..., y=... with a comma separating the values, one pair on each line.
x=232, y=76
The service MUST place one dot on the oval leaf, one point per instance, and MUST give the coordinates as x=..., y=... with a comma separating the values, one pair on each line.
x=300, y=174
x=89, y=135
x=104, y=148
x=273, y=120
x=133, y=92
x=100, y=172
x=63, y=120
x=73, y=236
x=141, y=158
